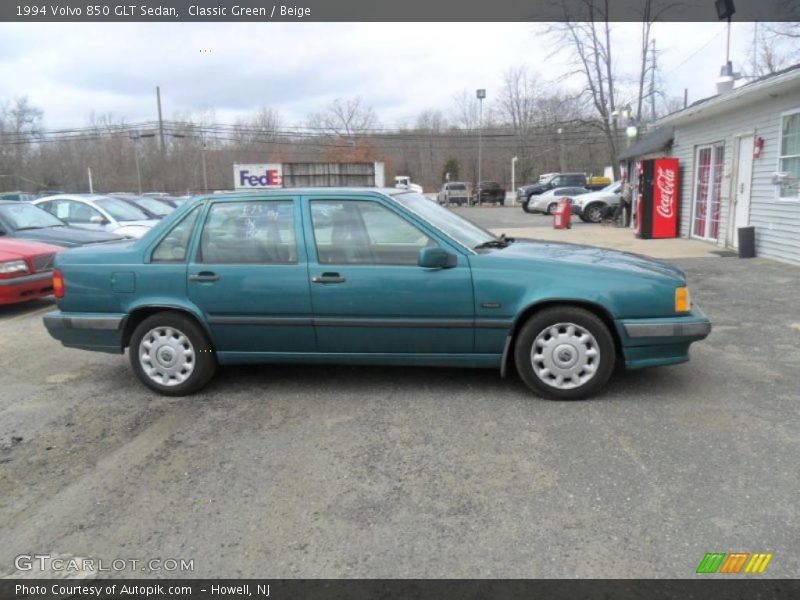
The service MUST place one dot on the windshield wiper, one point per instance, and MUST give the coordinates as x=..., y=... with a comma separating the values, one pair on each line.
x=501, y=242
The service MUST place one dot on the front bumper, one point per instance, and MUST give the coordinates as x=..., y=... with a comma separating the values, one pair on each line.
x=26, y=287
x=88, y=331
x=664, y=341
x=577, y=209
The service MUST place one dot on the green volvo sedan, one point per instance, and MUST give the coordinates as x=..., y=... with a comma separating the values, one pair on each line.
x=360, y=276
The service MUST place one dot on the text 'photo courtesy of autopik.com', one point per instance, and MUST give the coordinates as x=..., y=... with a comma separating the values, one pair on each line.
x=374, y=299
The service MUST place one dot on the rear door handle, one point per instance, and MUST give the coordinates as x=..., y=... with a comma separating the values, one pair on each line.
x=204, y=276
x=328, y=278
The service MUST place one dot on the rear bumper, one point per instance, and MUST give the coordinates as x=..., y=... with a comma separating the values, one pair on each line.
x=88, y=331
x=658, y=342
x=26, y=287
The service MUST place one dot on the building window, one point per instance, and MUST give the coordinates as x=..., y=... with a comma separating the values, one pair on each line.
x=789, y=160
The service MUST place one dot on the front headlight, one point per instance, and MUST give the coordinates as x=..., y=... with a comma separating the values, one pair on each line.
x=683, y=302
x=13, y=267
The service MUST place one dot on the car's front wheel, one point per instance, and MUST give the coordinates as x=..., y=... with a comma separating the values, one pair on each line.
x=594, y=213
x=171, y=354
x=564, y=353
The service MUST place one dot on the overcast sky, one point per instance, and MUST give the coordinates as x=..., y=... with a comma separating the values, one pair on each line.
x=72, y=70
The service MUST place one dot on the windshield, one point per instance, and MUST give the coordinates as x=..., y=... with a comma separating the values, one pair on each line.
x=121, y=210
x=460, y=229
x=611, y=187
x=28, y=216
x=155, y=206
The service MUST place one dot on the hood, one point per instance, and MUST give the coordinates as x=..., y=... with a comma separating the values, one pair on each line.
x=15, y=248
x=590, y=256
x=536, y=188
x=67, y=236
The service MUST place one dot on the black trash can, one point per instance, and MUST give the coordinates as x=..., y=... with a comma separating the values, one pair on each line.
x=747, y=242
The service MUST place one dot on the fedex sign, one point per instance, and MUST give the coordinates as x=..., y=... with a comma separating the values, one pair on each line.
x=248, y=177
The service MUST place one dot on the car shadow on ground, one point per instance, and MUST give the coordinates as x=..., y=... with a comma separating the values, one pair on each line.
x=370, y=380
x=10, y=311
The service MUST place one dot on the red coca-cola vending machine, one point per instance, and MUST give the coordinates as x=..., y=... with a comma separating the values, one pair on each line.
x=658, y=206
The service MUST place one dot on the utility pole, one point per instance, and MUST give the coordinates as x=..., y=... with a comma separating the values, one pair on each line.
x=91, y=185
x=513, y=178
x=561, y=161
x=653, y=83
x=160, y=120
x=481, y=94
x=205, y=172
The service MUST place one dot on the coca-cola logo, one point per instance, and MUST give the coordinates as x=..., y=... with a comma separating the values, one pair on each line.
x=665, y=182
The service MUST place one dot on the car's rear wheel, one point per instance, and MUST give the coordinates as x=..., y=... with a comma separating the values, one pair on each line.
x=551, y=208
x=594, y=213
x=564, y=353
x=171, y=354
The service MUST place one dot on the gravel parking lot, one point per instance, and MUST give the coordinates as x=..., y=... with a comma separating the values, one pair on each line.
x=292, y=471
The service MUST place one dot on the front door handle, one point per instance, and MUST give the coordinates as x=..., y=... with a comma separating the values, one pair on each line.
x=328, y=278
x=204, y=276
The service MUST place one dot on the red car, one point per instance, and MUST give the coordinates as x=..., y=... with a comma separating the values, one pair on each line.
x=26, y=270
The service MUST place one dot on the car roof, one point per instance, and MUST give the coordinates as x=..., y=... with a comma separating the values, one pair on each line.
x=311, y=191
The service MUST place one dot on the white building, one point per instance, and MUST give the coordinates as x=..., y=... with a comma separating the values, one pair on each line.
x=730, y=147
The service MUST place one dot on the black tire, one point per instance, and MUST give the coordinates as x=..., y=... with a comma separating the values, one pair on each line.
x=551, y=208
x=593, y=213
x=202, y=354
x=582, y=320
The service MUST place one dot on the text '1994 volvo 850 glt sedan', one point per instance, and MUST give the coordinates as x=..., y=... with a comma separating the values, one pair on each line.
x=355, y=276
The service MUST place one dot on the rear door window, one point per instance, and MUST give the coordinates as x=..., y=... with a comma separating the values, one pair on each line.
x=255, y=232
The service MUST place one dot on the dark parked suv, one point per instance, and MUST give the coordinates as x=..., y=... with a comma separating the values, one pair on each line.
x=489, y=191
x=558, y=180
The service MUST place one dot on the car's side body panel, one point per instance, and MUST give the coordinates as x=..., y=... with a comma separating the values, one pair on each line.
x=390, y=314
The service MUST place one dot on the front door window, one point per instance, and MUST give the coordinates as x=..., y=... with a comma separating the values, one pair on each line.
x=362, y=232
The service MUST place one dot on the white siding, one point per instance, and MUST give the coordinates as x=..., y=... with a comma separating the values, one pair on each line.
x=777, y=222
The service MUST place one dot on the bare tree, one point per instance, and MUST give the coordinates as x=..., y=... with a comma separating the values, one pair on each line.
x=465, y=112
x=774, y=48
x=344, y=117
x=586, y=33
x=431, y=121
x=20, y=126
x=650, y=11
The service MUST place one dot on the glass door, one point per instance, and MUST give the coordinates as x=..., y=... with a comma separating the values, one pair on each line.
x=710, y=164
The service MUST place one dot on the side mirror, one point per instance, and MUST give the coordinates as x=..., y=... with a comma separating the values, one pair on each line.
x=97, y=220
x=433, y=257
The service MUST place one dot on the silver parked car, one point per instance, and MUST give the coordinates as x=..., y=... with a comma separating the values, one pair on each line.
x=546, y=202
x=98, y=212
x=453, y=192
x=593, y=206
